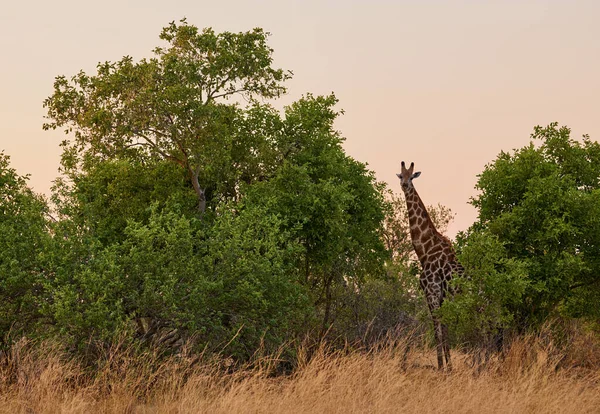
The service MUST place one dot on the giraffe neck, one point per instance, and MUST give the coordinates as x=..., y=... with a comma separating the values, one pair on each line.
x=422, y=231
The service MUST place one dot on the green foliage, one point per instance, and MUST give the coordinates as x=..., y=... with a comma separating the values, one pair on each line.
x=543, y=204
x=86, y=292
x=101, y=199
x=173, y=272
x=331, y=205
x=23, y=256
x=171, y=107
x=486, y=299
x=258, y=294
x=182, y=209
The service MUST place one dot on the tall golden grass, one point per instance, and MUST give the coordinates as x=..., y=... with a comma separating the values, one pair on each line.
x=534, y=376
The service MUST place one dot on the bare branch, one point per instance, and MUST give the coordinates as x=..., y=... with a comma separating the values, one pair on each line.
x=582, y=284
x=211, y=94
x=156, y=148
x=229, y=93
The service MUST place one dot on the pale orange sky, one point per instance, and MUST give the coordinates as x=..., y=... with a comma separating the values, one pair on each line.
x=446, y=84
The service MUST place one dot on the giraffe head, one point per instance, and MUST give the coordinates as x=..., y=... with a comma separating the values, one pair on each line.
x=406, y=175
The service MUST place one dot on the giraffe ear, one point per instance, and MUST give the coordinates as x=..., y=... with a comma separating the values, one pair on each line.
x=415, y=175
x=399, y=175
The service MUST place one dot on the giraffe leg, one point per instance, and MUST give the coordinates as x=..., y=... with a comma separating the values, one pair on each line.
x=434, y=303
x=446, y=343
x=439, y=342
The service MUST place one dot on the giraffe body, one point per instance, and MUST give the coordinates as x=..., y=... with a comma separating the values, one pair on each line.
x=437, y=257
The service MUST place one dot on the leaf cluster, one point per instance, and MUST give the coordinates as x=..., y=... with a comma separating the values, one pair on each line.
x=24, y=240
x=543, y=203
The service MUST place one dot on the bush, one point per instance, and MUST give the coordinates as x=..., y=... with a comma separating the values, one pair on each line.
x=23, y=259
x=225, y=284
x=486, y=298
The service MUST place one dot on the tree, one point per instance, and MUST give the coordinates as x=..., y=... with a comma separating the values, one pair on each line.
x=139, y=126
x=543, y=203
x=484, y=302
x=330, y=203
x=100, y=200
x=171, y=277
x=172, y=106
x=24, y=243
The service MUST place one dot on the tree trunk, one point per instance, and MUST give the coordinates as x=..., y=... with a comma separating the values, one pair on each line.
x=328, y=304
x=199, y=192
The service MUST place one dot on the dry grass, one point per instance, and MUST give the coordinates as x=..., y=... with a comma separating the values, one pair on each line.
x=535, y=376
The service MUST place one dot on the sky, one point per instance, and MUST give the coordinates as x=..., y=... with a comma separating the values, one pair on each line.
x=444, y=84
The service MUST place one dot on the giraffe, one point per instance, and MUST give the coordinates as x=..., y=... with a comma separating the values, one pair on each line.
x=437, y=257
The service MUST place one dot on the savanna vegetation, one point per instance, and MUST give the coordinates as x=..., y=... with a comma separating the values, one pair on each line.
x=204, y=251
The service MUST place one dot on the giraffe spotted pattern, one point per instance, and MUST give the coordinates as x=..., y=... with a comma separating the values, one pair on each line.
x=437, y=257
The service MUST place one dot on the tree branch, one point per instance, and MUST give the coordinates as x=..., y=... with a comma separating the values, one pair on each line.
x=582, y=284
x=155, y=147
x=211, y=95
x=228, y=93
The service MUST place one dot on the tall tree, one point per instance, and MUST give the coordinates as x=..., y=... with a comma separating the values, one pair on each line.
x=330, y=202
x=543, y=203
x=137, y=126
x=173, y=106
x=23, y=249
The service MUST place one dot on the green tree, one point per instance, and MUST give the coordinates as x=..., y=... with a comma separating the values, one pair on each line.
x=102, y=199
x=24, y=243
x=486, y=299
x=331, y=205
x=172, y=106
x=161, y=132
x=258, y=299
x=171, y=277
x=543, y=204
